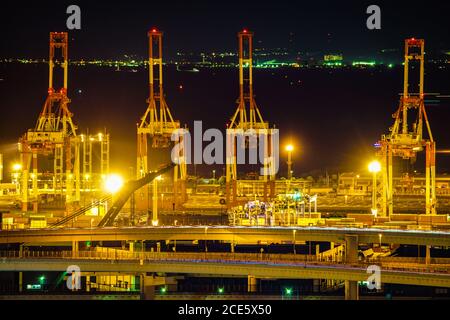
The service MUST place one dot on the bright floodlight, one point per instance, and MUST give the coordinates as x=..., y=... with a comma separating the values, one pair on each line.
x=374, y=167
x=113, y=183
x=17, y=167
x=289, y=147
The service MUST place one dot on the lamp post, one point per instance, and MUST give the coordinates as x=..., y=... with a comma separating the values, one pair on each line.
x=289, y=149
x=374, y=168
x=155, y=201
x=293, y=234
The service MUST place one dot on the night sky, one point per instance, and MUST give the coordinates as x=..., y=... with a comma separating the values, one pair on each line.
x=113, y=28
x=335, y=116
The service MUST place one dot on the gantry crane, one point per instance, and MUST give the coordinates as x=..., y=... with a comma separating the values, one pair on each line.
x=246, y=122
x=406, y=139
x=54, y=135
x=158, y=123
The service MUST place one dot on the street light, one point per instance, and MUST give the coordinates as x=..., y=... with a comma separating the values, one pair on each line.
x=17, y=167
x=289, y=149
x=374, y=168
x=113, y=183
x=155, y=201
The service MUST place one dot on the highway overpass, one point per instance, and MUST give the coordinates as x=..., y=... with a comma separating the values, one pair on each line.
x=237, y=235
x=276, y=266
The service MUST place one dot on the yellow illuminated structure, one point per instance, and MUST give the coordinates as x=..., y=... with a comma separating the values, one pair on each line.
x=244, y=122
x=54, y=135
x=405, y=140
x=158, y=123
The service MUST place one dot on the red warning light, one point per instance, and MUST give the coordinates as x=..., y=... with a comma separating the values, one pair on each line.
x=154, y=30
x=244, y=31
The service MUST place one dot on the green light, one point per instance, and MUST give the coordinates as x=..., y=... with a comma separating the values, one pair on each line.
x=220, y=290
x=390, y=65
x=41, y=279
x=34, y=287
x=163, y=290
x=288, y=291
x=363, y=63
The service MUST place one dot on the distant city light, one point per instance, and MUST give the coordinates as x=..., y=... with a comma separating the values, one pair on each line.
x=363, y=63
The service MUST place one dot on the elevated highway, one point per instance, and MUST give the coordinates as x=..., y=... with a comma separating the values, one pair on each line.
x=277, y=266
x=238, y=235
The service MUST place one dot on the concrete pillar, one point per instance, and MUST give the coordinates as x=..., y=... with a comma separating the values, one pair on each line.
x=351, y=256
x=351, y=290
x=252, y=284
x=20, y=282
x=75, y=247
x=316, y=285
x=351, y=248
x=147, y=288
x=88, y=282
x=427, y=255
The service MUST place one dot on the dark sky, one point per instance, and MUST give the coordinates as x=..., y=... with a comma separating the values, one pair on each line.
x=113, y=28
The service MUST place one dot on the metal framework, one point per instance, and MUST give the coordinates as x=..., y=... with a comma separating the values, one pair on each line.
x=246, y=122
x=157, y=122
x=407, y=139
x=54, y=134
x=87, y=143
